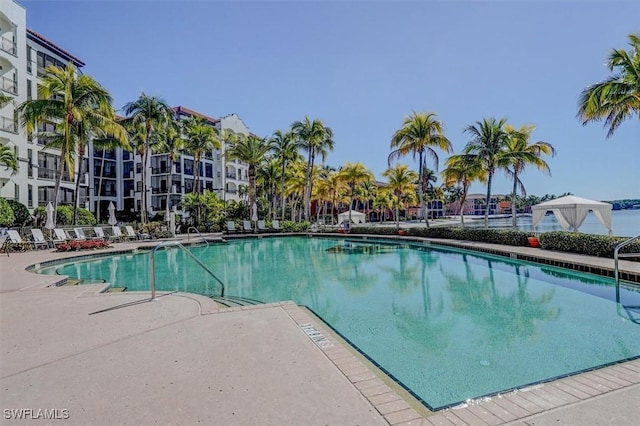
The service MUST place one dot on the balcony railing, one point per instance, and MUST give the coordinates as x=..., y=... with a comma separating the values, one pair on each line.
x=51, y=174
x=231, y=176
x=9, y=85
x=8, y=124
x=160, y=170
x=8, y=45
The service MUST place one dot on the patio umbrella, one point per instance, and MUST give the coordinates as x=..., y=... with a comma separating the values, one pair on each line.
x=112, y=215
x=254, y=212
x=50, y=224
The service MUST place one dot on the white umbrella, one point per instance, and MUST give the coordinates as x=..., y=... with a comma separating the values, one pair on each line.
x=50, y=224
x=254, y=212
x=112, y=215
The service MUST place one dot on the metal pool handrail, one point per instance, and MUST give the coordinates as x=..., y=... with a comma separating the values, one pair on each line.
x=152, y=265
x=616, y=255
x=198, y=232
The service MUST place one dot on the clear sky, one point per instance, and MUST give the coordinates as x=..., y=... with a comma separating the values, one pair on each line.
x=362, y=67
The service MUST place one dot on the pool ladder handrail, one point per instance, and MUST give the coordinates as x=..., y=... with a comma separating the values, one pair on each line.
x=616, y=256
x=152, y=265
x=198, y=232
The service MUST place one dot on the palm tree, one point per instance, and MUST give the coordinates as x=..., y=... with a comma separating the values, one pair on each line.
x=518, y=154
x=250, y=150
x=461, y=169
x=201, y=138
x=401, y=182
x=170, y=142
x=487, y=148
x=268, y=174
x=285, y=148
x=316, y=139
x=8, y=158
x=419, y=134
x=79, y=106
x=150, y=112
x=617, y=98
x=354, y=174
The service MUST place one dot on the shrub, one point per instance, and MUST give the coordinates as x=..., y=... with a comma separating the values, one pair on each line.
x=162, y=234
x=82, y=245
x=6, y=213
x=495, y=236
x=290, y=226
x=20, y=212
x=589, y=244
x=85, y=217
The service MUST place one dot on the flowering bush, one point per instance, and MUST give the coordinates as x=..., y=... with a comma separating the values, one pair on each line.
x=83, y=245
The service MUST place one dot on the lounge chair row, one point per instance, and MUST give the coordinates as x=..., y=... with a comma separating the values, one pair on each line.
x=59, y=235
x=247, y=227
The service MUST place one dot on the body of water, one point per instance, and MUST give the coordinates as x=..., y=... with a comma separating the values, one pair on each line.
x=625, y=223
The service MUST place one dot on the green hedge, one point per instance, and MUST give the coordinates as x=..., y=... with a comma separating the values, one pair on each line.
x=290, y=226
x=593, y=245
x=496, y=236
x=6, y=213
x=20, y=212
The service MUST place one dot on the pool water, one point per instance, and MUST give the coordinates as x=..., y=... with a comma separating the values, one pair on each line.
x=449, y=325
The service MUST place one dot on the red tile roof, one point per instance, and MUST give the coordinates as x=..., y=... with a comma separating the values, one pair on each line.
x=77, y=62
x=191, y=112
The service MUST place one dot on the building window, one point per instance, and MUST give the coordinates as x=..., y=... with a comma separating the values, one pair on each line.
x=30, y=163
x=29, y=59
x=138, y=167
x=138, y=186
x=30, y=196
x=29, y=89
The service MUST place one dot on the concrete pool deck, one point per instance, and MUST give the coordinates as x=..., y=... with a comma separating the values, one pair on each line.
x=183, y=359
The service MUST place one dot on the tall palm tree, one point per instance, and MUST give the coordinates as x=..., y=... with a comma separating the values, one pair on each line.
x=616, y=98
x=268, y=174
x=316, y=139
x=487, y=146
x=150, y=112
x=170, y=142
x=419, y=135
x=201, y=138
x=250, y=150
x=518, y=154
x=461, y=169
x=79, y=106
x=285, y=147
x=354, y=174
x=8, y=158
x=401, y=182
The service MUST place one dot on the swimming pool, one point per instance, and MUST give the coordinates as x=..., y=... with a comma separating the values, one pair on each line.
x=447, y=324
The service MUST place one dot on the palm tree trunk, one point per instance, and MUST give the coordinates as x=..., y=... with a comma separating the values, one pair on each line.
x=284, y=165
x=197, y=186
x=76, y=202
x=465, y=189
x=58, y=181
x=486, y=207
x=100, y=186
x=309, y=187
x=513, y=202
x=423, y=207
x=169, y=189
x=145, y=158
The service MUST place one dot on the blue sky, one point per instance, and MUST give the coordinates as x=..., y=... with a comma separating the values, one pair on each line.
x=362, y=67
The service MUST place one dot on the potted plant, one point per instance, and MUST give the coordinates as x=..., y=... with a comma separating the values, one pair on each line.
x=534, y=242
x=402, y=232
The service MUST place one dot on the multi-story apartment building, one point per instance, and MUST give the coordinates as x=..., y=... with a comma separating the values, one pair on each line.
x=108, y=175
x=24, y=54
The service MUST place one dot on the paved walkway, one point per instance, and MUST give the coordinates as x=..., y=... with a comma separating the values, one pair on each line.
x=121, y=359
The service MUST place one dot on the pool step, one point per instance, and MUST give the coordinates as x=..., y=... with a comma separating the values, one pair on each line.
x=71, y=281
x=233, y=301
x=116, y=289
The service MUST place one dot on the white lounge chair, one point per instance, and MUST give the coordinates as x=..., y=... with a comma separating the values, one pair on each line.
x=275, y=225
x=231, y=227
x=117, y=233
x=38, y=238
x=79, y=234
x=246, y=226
x=131, y=234
x=3, y=244
x=14, y=238
x=262, y=227
x=100, y=233
x=59, y=236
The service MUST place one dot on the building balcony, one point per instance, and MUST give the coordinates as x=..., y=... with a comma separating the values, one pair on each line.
x=231, y=176
x=9, y=85
x=160, y=170
x=51, y=174
x=8, y=124
x=8, y=46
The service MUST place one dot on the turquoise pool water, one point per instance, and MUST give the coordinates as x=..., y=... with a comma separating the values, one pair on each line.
x=448, y=325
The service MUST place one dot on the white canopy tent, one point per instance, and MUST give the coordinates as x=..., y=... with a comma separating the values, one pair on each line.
x=356, y=217
x=570, y=211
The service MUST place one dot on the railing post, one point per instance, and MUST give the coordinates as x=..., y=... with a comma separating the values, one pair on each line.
x=152, y=264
